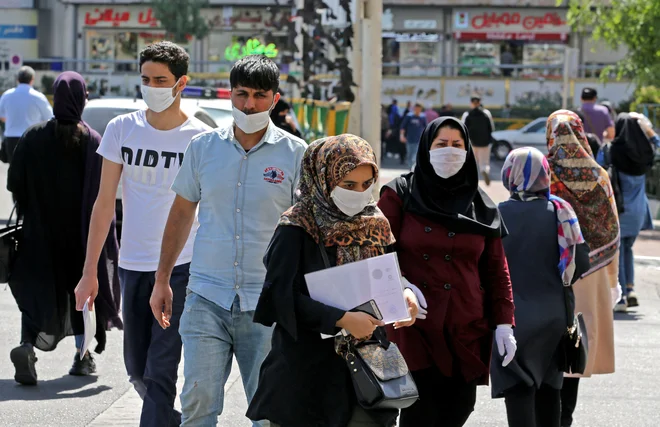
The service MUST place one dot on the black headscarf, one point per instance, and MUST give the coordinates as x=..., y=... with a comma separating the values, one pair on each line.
x=70, y=94
x=631, y=150
x=456, y=202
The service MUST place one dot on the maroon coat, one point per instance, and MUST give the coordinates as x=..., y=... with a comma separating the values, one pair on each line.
x=465, y=280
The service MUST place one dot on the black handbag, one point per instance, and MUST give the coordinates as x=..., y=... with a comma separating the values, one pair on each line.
x=574, y=345
x=9, y=242
x=379, y=372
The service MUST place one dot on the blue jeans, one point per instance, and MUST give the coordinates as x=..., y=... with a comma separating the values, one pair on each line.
x=411, y=153
x=151, y=353
x=211, y=336
x=627, y=264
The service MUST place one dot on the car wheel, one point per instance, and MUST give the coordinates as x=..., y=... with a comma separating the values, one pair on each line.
x=501, y=149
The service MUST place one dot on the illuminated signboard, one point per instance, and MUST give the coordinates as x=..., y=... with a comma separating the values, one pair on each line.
x=236, y=51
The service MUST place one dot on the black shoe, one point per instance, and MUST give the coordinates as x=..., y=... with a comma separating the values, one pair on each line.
x=24, y=360
x=83, y=367
x=632, y=299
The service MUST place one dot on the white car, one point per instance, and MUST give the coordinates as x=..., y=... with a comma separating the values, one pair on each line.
x=530, y=135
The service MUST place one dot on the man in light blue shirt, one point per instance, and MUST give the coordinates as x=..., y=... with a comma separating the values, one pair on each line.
x=242, y=178
x=21, y=108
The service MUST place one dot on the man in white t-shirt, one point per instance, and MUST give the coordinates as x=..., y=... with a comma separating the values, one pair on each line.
x=145, y=149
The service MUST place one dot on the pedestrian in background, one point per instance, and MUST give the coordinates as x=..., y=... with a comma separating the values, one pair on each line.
x=412, y=127
x=449, y=244
x=145, y=149
x=580, y=181
x=479, y=122
x=241, y=177
x=280, y=117
x=546, y=254
x=21, y=108
x=55, y=176
x=303, y=381
x=632, y=153
x=597, y=118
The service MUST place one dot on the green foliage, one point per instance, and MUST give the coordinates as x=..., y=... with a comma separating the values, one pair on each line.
x=182, y=18
x=633, y=23
x=646, y=95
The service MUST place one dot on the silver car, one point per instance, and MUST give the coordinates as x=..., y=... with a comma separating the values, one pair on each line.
x=530, y=135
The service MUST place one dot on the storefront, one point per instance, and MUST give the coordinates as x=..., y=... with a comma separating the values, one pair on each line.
x=117, y=33
x=485, y=39
x=240, y=31
x=18, y=36
x=412, y=41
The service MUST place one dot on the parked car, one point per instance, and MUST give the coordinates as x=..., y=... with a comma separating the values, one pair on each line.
x=531, y=135
x=98, y=113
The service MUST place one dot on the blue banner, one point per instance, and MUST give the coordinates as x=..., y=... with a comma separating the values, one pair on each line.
x=18, y=32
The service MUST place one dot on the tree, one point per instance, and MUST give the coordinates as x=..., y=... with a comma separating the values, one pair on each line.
x=182, y=18
x=633, y=23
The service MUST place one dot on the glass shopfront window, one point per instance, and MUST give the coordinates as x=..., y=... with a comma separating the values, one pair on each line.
x=406, y=54
x=487, y=59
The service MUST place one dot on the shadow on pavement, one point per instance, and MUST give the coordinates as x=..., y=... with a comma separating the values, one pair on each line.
x=629, y=316
x=67, y=387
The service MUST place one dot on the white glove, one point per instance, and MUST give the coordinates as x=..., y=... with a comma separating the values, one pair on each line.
x=506, y=343
x=617, y=293
x=423, y=305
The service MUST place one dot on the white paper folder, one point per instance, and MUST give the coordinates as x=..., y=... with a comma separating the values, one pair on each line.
x=349, y=285
x=89, y=317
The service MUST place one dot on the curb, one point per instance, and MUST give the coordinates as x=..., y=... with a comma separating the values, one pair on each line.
x=649, y=261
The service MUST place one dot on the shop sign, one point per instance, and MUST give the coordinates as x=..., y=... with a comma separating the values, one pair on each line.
x=420, y=24
x=120, y=17
x=16, y=4
x=413, y=90
x=18, y=34
x=516, y=21
x=546, y=37
x=236, y=51
x=413, y=37
x=241, y=18
x=459, y=91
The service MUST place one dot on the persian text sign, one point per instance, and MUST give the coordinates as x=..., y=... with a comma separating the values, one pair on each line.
x=512, y=21
x=119, y=17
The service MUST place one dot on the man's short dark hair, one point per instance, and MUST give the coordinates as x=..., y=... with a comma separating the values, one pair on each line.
x=475, y=99
x=25, y=74
x=255, y=72
x=418, y=105
x=168, y=53
x=589, y=94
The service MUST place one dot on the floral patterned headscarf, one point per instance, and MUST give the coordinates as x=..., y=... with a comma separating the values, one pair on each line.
x=578, y=179
x=325, y=164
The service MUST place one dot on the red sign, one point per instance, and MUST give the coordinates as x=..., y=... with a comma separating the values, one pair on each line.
x=116, y=19
x=506, y=19
x=557, y=37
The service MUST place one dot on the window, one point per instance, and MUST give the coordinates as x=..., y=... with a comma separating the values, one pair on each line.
x=538, y=127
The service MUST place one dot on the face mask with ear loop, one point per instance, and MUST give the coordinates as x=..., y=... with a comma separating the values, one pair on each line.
x=159, y=99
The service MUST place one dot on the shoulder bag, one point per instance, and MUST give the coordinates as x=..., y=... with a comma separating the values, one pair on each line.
x=574, y=345
x=379, y=373
x=9, y=242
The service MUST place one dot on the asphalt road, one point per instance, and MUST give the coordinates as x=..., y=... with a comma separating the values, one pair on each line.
x=628, y=398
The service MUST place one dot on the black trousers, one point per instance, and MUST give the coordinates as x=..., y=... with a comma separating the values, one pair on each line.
x=443, y=401
x=532, y=407
x=569, y=395
x=10, y=144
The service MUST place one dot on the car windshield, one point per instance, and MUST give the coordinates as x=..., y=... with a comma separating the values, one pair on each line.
x=98, y=118
x=220, y=116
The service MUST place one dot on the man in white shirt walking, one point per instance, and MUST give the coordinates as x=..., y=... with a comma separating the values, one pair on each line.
x=21, y=108
x=145, y=149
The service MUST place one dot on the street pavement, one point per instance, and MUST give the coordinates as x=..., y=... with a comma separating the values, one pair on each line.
x=628, y=398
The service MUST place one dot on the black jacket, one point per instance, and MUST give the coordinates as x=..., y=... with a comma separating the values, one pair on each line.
x=480, y=127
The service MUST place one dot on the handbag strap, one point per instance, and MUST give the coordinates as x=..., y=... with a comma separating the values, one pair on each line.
x=324, y=253
x=11, y=215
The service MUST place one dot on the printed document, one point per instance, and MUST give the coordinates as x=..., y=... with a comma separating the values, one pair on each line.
x=89, y=318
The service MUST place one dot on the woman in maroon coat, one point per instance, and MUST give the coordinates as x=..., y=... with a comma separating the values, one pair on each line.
x=449, y=244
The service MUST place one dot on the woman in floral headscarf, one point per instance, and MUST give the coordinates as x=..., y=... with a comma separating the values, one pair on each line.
x=546, y=254
x=578, y=179
x=303, y=381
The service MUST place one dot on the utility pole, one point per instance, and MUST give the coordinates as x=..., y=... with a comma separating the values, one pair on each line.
x=367, y=66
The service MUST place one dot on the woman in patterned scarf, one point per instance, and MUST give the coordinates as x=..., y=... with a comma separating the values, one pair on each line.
x=546, y=254
x=578, y=179
x=303, y=381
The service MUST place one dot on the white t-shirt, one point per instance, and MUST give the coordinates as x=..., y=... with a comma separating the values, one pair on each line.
x=151, y=159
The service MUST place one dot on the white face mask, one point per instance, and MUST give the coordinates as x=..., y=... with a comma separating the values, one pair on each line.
x=447, y=161
x=159, y=99
x=251, y=123
x=351, y=202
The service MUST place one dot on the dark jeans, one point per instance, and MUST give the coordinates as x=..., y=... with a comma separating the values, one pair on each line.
x=10, y=144
x=443, y=402
x=151, y=353
x=627, y=264
x=569, y=395
x=532, y=407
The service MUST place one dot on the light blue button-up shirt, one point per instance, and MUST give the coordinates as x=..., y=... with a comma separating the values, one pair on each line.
x=241, y=197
